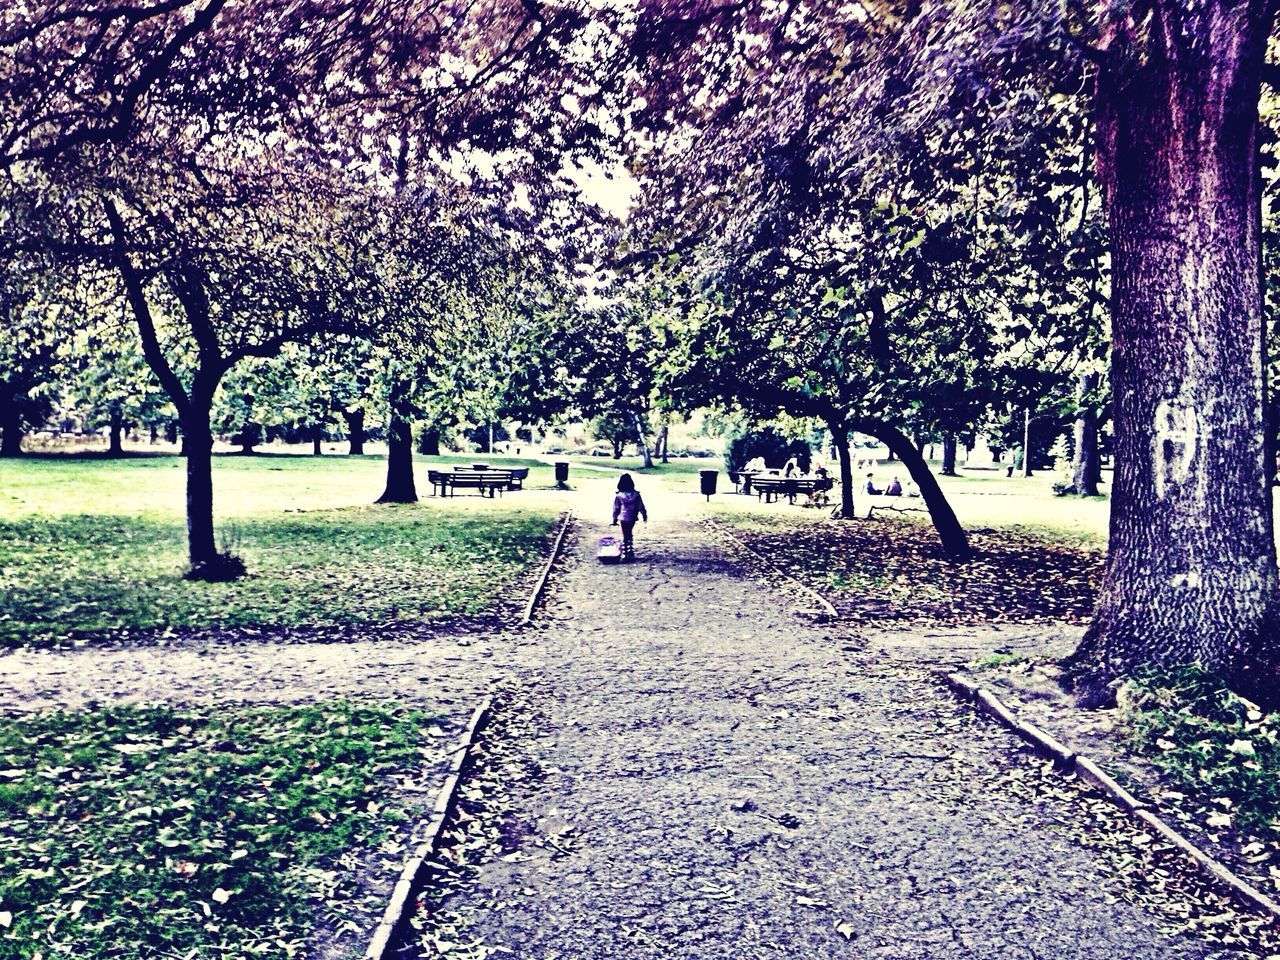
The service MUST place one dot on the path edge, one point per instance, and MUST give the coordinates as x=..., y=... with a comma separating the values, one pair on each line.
x=826, y=604
x=1068, y=761
x=415, y=868
x=541, y=585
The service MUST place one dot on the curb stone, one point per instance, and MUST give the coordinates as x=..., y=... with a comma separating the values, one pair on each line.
x=823, y=602
x=541, y=585
x=1068, y=761
x=411, y=875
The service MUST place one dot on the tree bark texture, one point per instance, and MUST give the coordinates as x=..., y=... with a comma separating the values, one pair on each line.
x=1191, y=571
x=1086, y=468
x=355, y=431
x=400, y=484
x=949, y=455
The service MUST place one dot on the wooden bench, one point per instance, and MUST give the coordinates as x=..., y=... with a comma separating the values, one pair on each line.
x=446, y=483
x=770, y=488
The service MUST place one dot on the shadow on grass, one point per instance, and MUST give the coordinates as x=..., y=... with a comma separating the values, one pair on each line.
x=111, y=577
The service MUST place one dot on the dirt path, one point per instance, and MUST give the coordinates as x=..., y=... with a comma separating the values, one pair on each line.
x=723, y=778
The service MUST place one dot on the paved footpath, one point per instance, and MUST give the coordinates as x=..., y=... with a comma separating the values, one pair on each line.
x=724, y=778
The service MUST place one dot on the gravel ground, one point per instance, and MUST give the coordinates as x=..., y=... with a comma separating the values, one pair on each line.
x=719, y=776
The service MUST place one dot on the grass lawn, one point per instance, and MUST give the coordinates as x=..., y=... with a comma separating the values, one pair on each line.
x=91, y=547
x=149, y=832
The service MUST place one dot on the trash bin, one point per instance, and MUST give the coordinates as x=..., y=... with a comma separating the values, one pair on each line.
x=708, y=478
x=562, y=473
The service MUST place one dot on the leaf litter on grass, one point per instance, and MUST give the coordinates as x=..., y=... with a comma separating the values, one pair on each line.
x=140, y=832
x=894, y=571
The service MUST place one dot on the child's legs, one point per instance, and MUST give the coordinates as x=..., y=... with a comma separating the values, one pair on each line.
x=627, y=527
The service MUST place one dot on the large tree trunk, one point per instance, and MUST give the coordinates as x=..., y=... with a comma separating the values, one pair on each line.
x=644, y=442
x=115, y=446
x=840, y=439
x=355, y=431
x=400, y=485
x=949, y=455
x=198, y=441
x=661, y=445
x=1191, y=571
x=1086, y=470
x=11, y=425
x=317, y=440
x=954, y=540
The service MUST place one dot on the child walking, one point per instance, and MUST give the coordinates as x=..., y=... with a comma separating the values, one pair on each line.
x=627, y=506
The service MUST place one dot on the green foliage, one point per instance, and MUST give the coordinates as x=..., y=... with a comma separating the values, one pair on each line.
x=88, y=549
x=1210, y=741
x=769, y=443
x=136, y=832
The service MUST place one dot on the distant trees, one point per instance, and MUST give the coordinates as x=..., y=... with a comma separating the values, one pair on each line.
x=31, y=341
x=228, y=171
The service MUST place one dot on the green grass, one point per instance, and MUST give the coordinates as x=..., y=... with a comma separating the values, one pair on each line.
x=148, y=832
x=1219, y=747
x=94, y=547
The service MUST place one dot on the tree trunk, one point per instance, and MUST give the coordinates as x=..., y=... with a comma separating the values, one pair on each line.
x=355, y=431
x=644, y=443
x=617, y=448
x=11, y=425
x=400, y=486
x=1026, y=442
x=954, y=540
x=429, y=442
x=840, y=440
x=317, y=439
x=662, y=442
x=949, y=455
x=115, y=446
x=1085, y=468
x=198, y=442
x=1191, y=570
x=155, y=433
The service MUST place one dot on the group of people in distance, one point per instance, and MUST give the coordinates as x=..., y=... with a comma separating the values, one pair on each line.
x=894, y=488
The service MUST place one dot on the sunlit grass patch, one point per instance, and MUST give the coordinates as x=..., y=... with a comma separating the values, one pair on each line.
x=83, y=555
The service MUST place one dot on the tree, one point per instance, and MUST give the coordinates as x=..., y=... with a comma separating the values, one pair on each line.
x=1191, y=572
x=31, y=358
x=1191, y=576
x=114, y=387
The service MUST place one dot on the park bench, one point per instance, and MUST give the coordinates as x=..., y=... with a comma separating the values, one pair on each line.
x=446, y=483
x=770, y=488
